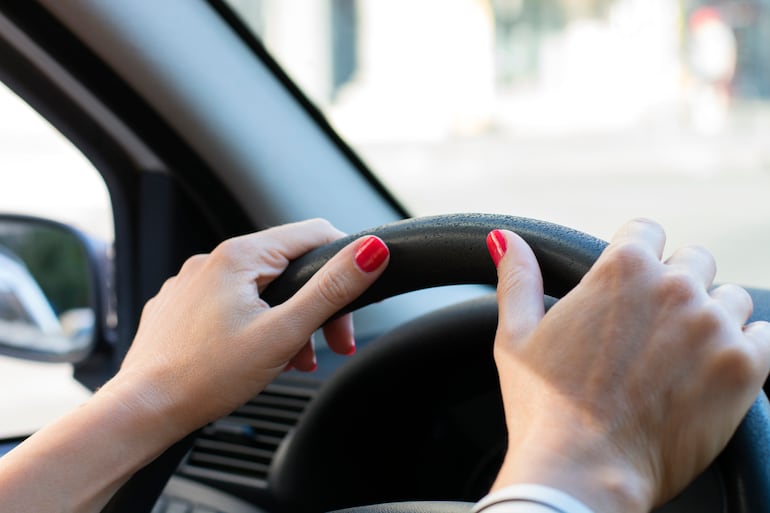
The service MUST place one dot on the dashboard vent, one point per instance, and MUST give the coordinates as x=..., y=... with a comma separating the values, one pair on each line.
x=239, y=448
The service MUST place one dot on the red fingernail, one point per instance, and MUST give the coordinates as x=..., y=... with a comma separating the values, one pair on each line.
x=496, y=245
x=371, y=254
x=352, y=350
x=314, y=367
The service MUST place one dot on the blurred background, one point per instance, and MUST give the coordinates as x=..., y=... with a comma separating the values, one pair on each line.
x=43, y=175
x=580, y=112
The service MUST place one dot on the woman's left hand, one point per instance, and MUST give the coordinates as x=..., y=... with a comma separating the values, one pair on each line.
x=207, y=343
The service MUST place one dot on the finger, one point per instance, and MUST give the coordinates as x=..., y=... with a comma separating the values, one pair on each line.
x=519, y=285
x=339, y=335
x=305, y=359
x=266, y=254
x=758, y=333
x=646, y=232
x=296, y=239
x=735, y=301
x=696, y=261
x=341, y=280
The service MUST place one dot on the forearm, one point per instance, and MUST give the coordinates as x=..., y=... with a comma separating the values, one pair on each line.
x=77, y=463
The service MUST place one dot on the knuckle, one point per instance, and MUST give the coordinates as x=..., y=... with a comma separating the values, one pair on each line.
x=759, y=330
x=193, y=262
x=501, y=352
x=697, y=256
x=647, y=223
x=321, y=225
x=169, y=283
x=509, y=331
x=694, y=250
x=743, y=294
x=645, y=227
x=504, y=329
x=149, y=306
x=735, y=366
x=334, y=289
x=700, y=251
x=677, y=287
x=511, y=281
x=228, y=251
x=151, y=303
x=709, y=321
x=624, y=259
x=736, y=294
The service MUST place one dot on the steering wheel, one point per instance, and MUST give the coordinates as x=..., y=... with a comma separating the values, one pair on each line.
x=445, y=250
x=430, y=252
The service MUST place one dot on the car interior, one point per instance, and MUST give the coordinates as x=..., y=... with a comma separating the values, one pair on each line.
x=201, y=134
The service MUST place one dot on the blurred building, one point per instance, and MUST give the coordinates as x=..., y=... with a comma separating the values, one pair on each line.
x=429, y=69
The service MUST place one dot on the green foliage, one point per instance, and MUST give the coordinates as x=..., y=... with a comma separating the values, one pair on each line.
x=55, y=258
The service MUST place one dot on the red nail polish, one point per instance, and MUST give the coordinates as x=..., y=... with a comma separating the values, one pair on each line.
x=496, y=245
x=314, y=367
x=371, y=254
x=352, y=350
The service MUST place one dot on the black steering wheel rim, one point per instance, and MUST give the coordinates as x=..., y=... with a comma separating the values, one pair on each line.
x=450, y=250
x=446, y=250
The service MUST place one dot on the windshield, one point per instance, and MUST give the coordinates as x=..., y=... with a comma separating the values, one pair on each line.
x=580, y=112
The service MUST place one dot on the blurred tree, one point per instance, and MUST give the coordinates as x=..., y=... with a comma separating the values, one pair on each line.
x=57, y=261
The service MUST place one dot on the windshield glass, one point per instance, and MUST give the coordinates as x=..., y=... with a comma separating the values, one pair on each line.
x=580, y=112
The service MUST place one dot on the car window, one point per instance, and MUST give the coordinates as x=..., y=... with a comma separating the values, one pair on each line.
x=584, y=113
x=45, y=176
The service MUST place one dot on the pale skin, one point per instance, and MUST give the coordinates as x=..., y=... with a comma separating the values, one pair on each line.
x=636, y=338
x=627, y=388
x=205, y=344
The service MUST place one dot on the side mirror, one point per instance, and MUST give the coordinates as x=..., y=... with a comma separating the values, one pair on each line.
x=51, y=290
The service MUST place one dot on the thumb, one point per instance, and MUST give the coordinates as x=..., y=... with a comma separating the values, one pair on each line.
x=340, y=281
x=519, y=286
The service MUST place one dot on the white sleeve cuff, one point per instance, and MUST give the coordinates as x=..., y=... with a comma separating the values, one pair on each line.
x=530, y=497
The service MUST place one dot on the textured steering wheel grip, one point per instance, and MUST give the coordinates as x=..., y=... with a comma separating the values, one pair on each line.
x=451, y=250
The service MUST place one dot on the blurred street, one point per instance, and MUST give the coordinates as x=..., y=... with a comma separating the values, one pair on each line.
x=707, y=190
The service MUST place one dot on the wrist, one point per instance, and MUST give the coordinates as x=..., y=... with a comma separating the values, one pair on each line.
x=146, y=408
x=529, y=498
x=583, y=469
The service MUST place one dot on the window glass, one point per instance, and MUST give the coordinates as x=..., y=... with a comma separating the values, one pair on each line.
x=580, y=112
x=43, y=175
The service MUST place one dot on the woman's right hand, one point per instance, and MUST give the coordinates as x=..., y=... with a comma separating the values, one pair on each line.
x=634, y=381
